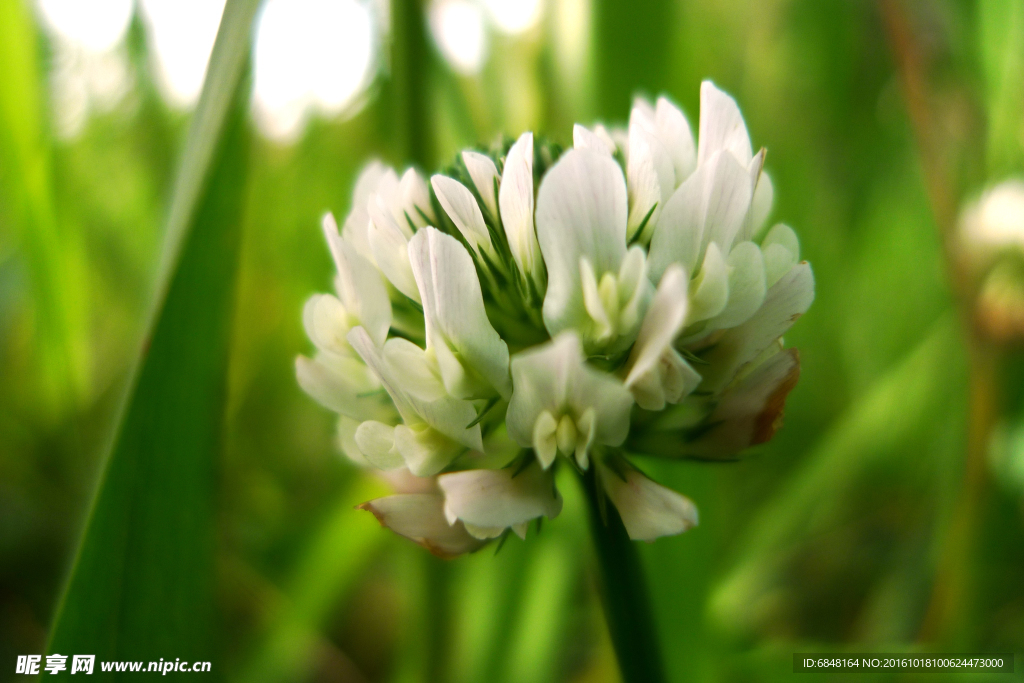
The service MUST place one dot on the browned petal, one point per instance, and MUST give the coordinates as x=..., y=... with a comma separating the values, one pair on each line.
x=770, y=418
x=420, y=518
x=747, y=414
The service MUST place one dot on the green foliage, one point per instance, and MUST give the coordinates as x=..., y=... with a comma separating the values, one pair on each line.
x=142, y=583
x=27, y=195
x=239, y=544
x=1001, y=38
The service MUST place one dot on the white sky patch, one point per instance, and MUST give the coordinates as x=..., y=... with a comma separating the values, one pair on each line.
x=310, y=56
x=95, y=26
x=181, y=35
x=513, y=16
x=89, y=70
x=458, y=29
x=82, y=82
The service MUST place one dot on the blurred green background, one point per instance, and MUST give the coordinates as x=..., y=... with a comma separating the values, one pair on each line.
x=887, y=515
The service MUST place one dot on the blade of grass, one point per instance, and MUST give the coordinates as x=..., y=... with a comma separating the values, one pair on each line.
x=1001, y=43
x=141, y=585
x=26, y=190
x=537, y=645
x=324, y=576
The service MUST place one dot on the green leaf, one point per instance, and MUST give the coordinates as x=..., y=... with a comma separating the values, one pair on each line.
x=141, y=586
x=26, y=195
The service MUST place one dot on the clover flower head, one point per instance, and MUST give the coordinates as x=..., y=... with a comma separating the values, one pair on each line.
x=623, y=297
x=992, y=241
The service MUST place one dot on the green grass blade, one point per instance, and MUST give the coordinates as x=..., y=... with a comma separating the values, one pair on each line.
x=324, y=576
x=141, y=587
x=890, y=422
x=26, y=194
x=1001, y=43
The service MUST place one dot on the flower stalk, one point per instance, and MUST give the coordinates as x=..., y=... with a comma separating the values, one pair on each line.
x=624, y=593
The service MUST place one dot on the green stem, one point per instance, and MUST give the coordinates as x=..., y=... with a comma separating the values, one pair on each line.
x=947, y=618
x=624, y=593
x=437, y=617
x=410, y=73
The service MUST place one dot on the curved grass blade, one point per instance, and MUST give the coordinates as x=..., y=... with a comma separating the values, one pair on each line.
x=141, y=586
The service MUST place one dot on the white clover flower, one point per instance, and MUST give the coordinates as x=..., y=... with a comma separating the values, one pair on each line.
x=992, y=241
x=630, y=302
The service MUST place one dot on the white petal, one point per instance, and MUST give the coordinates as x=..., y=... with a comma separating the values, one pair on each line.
x=346, y=440
x=545, y=443
x=424, y=450
x=783, y=235
x=674, y=131
x=726, y=201
x=360, y=341
x=764, y=195
x=515, y=197
x=642, y=114
x=662, y=324
x=721, y=126
x=420, y=518
x=359, y=284
x=592, y=300
x=586, y=427
x=483, y=173
x=376, y=441
x=404, y=481
x=484, y=533
x=747, y=286
x=326, y=323
x=634, y=290
x=449, y=416
x=337, y=383
x=500, y=498
x=755, y=170
x=417, y=375
x=648, y=510
x=712, y=203
x=358, y=220
x=581, y=211
x=756, y=166
x=709, y=291
x=760, y=206
x=678, y=232
x=453, y=307
x=613, y=139
x=678, y=379
x=781, y=250
x=540, y=382
x=388, y=198
x=584, y=138
x=786, y=301
x=460, y=205
x=650, y=178
x=391, y=252
x=416, y=199
x=777, y=262
x=553, y=377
